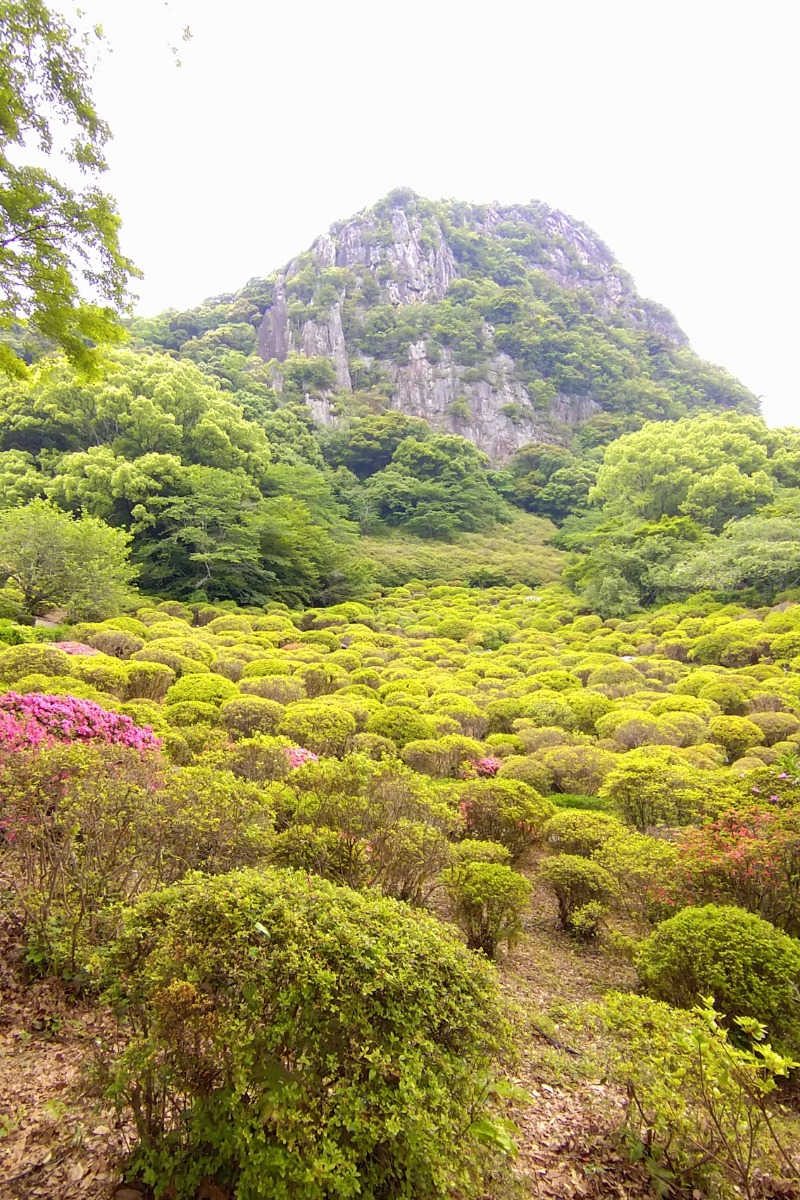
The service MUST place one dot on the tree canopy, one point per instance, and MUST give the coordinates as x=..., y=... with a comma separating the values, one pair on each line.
x=61, y=267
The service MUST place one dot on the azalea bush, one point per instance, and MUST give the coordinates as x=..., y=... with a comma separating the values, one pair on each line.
x=749, y=857
x=488, y=900
x=296, y=1038
x=33, y=719
x=86, y=827
x=749, y=967
x=703, y=1110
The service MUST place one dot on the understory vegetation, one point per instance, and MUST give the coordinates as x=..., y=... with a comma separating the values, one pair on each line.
x=285, y=846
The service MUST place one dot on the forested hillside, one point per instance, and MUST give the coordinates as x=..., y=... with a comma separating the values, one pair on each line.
x=393, y=403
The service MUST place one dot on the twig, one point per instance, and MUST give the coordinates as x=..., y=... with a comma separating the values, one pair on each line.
x=50, y=1162
x=555, y=1042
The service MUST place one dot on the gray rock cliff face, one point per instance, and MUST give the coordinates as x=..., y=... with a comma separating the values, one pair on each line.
x=411, y=262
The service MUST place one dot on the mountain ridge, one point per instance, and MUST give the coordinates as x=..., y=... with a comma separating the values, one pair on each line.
x=506, y=325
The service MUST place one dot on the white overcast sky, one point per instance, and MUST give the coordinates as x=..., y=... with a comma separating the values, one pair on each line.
x=671, y=129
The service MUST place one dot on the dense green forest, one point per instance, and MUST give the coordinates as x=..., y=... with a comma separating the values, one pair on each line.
x=399, y=714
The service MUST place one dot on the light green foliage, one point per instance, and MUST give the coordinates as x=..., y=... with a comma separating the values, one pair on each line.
x=209, y=689
x=474, y=850
x=249, y=715
x=749, y=967
x=573, y=831
x=53, y=561
x=579, y=769
x=736, y=734
x=577, y=883
x=645, y=871
x=148, y=680
x=655, y=786
x=58, y=242
x=502, y=810
x=240, y=971
x=401, y=726
x=712, y=467
x=488, y=900
x=322, y=851
x=95, y=826
x=439, y=757
x=319, y=727
x=702, y=1111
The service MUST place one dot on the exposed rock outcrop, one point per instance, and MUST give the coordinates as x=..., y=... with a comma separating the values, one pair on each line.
x=407, y=252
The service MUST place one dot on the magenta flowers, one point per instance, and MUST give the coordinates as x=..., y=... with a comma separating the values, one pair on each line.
x=34, y=719
x=74, y=648
x=298, y=755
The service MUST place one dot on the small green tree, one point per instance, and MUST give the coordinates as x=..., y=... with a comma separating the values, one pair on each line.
x=488, y=900
x=57, y=561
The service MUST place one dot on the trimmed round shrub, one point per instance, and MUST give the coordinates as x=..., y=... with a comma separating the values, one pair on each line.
x=527, y=769
x=264, y=667
x=736, y=734
x=148, y=681
x=577, y=883
x=115, y=642
x=260, y=759
x=209, y=689
x=283, y=689
x=575, y=831
x=473, y=850
x=181, y=664
x=18, y=661
x=374, y=746
x=731, y=698
x=319, y=850
x=401, y=725
x=775, y=726
x=230, y=668
x=749, y=967
x=578, y=769
x=191, y=712
x=488, y=900
x=318, y=726
x=245, y=716
x=503, y=810
x=373, y=1025
x=187, y=647
x=439, y=757
x=322, y=679
x=102, y=672
x=230, y=624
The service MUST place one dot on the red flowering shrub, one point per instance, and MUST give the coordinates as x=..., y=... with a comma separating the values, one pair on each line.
x=750, y=858
x=485, y=767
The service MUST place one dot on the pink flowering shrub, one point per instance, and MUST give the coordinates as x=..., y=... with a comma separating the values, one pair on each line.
x=36, y=719
x=74, y=648
x=298, y=756
x=485, y=767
